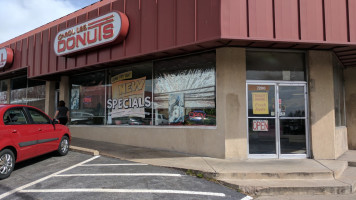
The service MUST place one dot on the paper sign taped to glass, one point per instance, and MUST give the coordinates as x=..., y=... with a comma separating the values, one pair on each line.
x=260, y=103
x=176, y=108
x=130, y=93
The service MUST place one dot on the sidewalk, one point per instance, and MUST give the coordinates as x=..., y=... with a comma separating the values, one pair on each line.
x=256, y=177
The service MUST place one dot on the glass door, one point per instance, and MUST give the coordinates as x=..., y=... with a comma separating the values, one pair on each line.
x=292, y=120
x=262, y=120
x=277, y=120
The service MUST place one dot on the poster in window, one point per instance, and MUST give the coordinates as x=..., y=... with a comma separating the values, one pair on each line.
x=130, y=97
x=260, y=103
x=74, y=100
x=176, y=108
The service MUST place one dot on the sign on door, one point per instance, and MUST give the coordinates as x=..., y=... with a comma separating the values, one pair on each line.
x=260, y=125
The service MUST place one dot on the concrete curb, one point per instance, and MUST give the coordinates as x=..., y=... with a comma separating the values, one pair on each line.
x=85, y=150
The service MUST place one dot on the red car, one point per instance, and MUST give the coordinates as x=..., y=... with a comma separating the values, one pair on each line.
x=26, y=132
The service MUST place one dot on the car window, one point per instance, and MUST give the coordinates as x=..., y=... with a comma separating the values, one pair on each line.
x=38, y=117
x=15, y=116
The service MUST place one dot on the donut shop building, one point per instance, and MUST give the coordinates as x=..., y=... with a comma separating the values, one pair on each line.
x=221, y=78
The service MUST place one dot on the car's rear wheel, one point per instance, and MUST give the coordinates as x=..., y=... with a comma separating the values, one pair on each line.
x=7, y=163
x=63, y=147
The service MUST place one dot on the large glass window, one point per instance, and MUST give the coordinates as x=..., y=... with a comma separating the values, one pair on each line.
x=339, y=93
x=3, y=92
x=271, y=65
x=28, y=92
x=179, y=91
x=130, y=95
x=87, y=103
x=184, y=90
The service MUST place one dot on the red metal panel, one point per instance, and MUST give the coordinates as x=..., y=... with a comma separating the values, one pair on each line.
x=208, y=19
x=185, y=22
x=52, y=55
x=18, y=53
x=311, y=20
x=31, y=53
x=71, y=61
x=133, y=40
x=45, y=52
x=104, y=53
x=81, y=58
x=148, y=26
x=335, y=20
x=234, y=18
x=260, y=14
x=24, y=53
x=352, y=20
x=92, y=56
x=36, y=68
x=166, y=23
x=118, y=51
x=61, y=59
x=286, y=19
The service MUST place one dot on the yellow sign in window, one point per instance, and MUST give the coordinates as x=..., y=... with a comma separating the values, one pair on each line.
x=260, y=103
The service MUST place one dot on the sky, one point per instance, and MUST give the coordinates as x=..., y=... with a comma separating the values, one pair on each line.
x=20, y=16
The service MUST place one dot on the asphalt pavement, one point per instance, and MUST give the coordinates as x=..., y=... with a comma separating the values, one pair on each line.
x=83, y=176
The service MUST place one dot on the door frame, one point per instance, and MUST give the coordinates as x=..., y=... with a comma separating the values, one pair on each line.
x=278, y=154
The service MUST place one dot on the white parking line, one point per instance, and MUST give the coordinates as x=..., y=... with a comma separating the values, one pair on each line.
x=126, y=191
x=123, y=164
x=247, y=198
x=120, y=174
x=44, y=178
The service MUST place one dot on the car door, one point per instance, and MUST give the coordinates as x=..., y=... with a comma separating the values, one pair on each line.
x=16, y=124
x=47, y=137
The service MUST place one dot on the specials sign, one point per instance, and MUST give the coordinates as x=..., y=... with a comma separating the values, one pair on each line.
x=109, y=28
x=6, y=57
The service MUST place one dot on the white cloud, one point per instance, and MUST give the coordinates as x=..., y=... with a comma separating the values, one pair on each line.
x=20, y=16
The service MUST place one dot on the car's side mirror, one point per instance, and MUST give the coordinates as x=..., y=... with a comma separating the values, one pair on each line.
x=55, y=121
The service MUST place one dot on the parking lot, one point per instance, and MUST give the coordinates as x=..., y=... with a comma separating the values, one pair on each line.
x=81, y=176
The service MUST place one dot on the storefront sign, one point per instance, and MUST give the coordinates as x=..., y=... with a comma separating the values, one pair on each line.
x=260, y=125
x=6, y=57
x=109, y=28
x=260, y=103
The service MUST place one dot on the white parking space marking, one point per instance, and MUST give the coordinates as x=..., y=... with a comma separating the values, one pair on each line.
x=121, y=174
x=247, y=198
x=125, y=164
x=44, y=178
x=126, y=191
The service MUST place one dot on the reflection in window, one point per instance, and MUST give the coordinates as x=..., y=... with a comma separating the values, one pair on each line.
x=184, y=91
x=271, y=65
x=3, y=92
x=28, y=92
x=87, y=102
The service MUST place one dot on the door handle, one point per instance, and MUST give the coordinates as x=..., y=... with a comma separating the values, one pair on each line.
x=14, y=131
x=39, y=129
